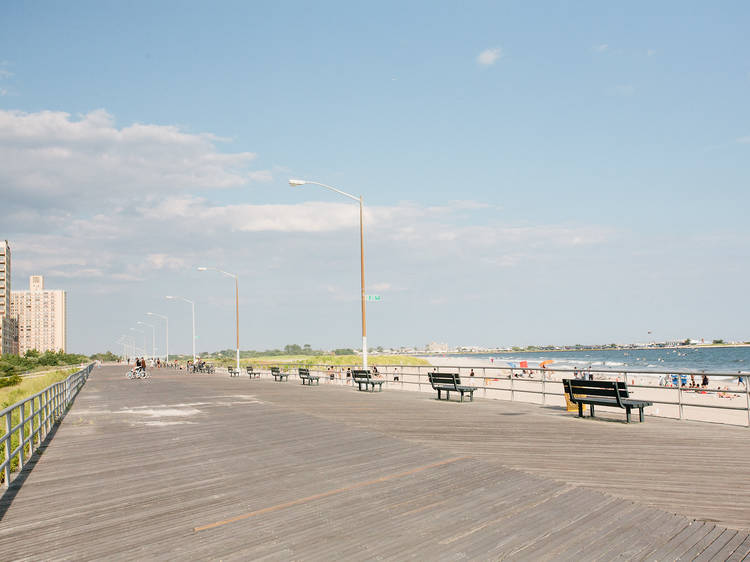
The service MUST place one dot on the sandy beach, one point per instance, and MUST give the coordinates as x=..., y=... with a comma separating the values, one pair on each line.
x=727, y=400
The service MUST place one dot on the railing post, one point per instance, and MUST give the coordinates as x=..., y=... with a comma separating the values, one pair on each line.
x=21, y=439
x=512, y=391
x=32, y=436
x=8, y=444
x=679, y=394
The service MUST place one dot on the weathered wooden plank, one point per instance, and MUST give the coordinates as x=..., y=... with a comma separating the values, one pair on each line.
x=741, y=552
x=710, y=551
x=136, y=466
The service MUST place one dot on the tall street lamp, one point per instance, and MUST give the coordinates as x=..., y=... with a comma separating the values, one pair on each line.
x=299, y=183
x=153, y=338
x=144, y=339
x=131, y=347
x=192, y=304
x=167, y=334
x=236, y=305
x=124, y=345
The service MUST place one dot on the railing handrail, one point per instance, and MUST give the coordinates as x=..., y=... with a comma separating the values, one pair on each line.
x=46, y=408
x=506, y=373
x=34, y=396
x=592, y=368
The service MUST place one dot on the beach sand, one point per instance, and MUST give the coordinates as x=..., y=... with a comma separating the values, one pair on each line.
x=642, y=386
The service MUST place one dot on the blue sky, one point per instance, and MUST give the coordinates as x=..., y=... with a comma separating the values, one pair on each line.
x=533, y=173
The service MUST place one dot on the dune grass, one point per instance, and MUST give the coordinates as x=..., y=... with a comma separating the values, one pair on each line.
x=338, y=360
x=31, y=385
x=28, y=386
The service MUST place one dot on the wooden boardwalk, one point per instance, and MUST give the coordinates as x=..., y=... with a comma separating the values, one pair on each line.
x=211, y=467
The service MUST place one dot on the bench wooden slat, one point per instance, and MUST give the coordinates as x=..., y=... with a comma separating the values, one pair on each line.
x=364, y=377
x=590, y=391
x=450, y=382
x=602, y=393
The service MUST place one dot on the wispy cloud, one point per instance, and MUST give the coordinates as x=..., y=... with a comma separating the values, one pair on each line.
x=624, y=90
x=650, y=52
x=488, y=57
x=744, y=140
x=601, y=48
x=50, y=155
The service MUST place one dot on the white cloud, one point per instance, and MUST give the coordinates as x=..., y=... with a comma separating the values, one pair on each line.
x=488, y=57
x=650, y=52
x=70, y=162
x=744, y=140
x=601, y=48
x=162, y=261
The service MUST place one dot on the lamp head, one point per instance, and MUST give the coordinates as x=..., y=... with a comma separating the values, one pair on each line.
x=202, y=269
x=149, y=314
x=297, y=183
x=170, y=297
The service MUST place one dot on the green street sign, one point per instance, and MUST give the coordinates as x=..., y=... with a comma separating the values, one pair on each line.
x=374, y=298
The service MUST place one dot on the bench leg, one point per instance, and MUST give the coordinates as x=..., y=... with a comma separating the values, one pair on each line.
x=462, y=396
x=627, y=414
x=471, y=396
x=580, y=410
x=592, y=410
x=438, y=394
x=640, y=414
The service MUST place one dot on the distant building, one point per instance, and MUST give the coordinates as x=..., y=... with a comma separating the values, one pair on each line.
x=42, y=317
x=435, y=347
x=8, y=325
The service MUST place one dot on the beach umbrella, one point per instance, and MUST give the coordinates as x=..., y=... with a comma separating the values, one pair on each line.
x=547, y=362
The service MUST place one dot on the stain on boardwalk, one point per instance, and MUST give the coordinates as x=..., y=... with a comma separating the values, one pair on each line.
x=182, y=466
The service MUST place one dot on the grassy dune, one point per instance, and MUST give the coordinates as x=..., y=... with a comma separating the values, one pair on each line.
x=31, y=385
x=331, y=360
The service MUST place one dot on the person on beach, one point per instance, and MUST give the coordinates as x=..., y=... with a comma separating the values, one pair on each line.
x=704, y=383
x=740, y=379
x=471, y=374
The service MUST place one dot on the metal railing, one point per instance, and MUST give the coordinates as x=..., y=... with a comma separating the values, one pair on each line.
x=544, y=387
x=28, y=422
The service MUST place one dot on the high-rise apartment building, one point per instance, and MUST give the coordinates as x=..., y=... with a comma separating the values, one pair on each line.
x=8, y=325
x=41, y=316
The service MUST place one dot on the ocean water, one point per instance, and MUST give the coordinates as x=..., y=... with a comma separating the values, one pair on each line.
x=710, y=359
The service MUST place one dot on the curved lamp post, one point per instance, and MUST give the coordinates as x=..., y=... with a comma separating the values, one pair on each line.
x=300, y=183
x=144, y=340
x=167, y=334
x=236, y=305
x=153, y=338
x=192, y=304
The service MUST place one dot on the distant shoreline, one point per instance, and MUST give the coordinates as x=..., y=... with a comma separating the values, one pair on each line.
x=643, y=348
